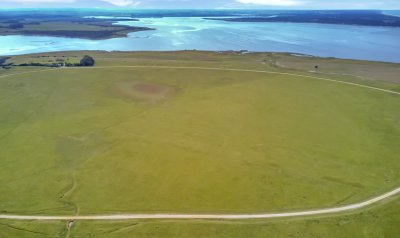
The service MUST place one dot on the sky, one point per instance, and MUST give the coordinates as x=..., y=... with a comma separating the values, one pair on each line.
x=220, y=4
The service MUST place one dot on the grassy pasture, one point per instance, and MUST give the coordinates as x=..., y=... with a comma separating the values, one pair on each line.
x=378, y=222
x=110, y=140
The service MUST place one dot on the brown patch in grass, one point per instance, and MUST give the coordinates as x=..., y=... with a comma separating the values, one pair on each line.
x=146, y=91
x=150, y=88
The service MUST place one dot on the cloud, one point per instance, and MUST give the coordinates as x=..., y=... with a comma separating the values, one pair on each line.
x=41, y=1
x=268, y=4
x=122, y=3
x=272, y=2
x=119, y=3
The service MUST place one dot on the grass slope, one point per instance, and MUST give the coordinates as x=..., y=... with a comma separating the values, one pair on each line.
x=90, y=141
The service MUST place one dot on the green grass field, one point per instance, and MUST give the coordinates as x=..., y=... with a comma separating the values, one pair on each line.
x=130, y=140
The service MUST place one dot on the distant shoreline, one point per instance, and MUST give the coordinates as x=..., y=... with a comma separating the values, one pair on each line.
x=128, y=30
x=84, y=35
x=355, y=18
x=290, y=54
x=64, y=25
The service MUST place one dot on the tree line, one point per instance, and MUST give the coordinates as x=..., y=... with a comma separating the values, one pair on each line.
x=86, y=61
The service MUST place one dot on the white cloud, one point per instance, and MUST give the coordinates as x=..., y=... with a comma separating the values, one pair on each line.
x=272, y=2
x=119, y=3
x=122, y=3
x=41, y=1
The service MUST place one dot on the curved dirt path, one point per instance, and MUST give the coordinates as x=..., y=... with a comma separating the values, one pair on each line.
x=25, y=72
x=238, y=70
x=210, y=68
x=323, y=211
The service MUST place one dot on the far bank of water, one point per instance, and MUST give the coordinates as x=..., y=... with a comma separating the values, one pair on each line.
x=187, y=33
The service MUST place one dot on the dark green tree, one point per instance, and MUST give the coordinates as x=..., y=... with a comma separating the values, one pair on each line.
x=87, y=61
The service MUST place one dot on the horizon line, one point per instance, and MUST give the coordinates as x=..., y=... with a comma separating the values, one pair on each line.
x=219, y=9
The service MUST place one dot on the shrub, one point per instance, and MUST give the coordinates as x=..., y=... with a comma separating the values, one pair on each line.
x=3, y=60
x=87, y=61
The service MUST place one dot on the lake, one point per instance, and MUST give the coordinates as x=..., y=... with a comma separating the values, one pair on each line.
x=187, y=33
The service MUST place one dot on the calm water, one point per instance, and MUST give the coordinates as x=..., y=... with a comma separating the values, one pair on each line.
x=180, y=33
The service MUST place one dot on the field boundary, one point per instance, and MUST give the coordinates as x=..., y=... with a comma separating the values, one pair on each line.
x=239, y=70
x=323, y=211
x=213, y=68
x=26, y=72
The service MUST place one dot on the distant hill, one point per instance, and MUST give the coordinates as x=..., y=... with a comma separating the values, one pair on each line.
x=349, y=17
